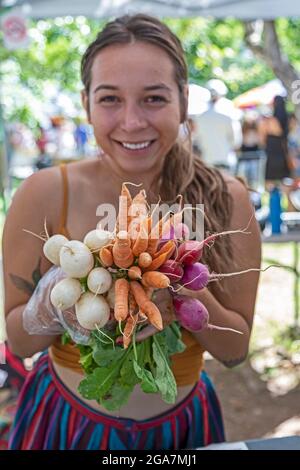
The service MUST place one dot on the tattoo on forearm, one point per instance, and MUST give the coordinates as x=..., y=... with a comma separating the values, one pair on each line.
x=234, y=362
x=27, y=286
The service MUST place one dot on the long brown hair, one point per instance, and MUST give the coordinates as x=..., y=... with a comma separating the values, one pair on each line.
x=183, y=172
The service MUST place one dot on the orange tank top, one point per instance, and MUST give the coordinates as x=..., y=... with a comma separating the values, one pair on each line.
x=186, y=366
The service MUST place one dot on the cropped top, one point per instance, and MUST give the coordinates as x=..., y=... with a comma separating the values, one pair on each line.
x=186, y=366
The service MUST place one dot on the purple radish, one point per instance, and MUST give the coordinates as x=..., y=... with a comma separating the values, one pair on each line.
x=189, y=252
x=169, y=235
x=172, y=269
x=193, y=315
x=182, y=231
x=196, y=276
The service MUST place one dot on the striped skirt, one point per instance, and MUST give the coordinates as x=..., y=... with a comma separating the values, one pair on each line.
x=50, y=416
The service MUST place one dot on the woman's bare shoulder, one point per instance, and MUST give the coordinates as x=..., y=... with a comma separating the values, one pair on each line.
x=234, y=184
x=242, y=206
x=38, y=186
x=84, y=166
x=48, y=183
x=39, y=196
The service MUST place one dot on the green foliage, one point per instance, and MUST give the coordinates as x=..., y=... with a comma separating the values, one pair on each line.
x=112, y=371
x=214, y=49
x=288, y=32
x=53, y=58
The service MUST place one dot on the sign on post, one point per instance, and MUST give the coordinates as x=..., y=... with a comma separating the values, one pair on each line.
x=14, y=27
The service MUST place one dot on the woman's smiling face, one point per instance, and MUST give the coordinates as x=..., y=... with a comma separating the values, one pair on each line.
x=134, y=105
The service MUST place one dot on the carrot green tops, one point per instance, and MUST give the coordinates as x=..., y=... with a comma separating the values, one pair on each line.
x=186, y=366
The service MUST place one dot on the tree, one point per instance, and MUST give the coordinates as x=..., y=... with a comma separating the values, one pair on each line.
x=216, y=49
x=52, y=60
x=263, y=39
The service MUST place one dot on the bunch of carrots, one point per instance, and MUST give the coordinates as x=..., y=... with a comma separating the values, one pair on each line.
x=138, y=250
x=116, y=270
x=119, y=271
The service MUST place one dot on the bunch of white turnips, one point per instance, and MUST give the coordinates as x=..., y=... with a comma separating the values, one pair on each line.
x=94, y=301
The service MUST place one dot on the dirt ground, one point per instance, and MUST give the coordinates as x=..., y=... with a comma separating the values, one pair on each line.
x=254, y=407
x=250, y=410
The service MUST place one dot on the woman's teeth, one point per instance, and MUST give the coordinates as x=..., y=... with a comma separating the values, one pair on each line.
x=139, y=146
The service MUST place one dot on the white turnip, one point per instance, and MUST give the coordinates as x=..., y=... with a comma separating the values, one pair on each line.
x=76, y=259
x=66, y=293
x=92, y=310
x=99, y=280
x=52, y=247
x=96, y=239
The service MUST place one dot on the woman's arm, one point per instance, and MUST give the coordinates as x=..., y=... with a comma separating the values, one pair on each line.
x=23, y=260
x=233, y=307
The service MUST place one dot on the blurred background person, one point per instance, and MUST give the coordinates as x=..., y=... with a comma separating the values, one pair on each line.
x=44, y=160
x=250, y=135
x=294, y=145
x=217, y=133
x=273, y=133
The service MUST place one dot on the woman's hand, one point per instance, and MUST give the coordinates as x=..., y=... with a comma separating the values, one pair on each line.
x=162, y=298
x=40, y=317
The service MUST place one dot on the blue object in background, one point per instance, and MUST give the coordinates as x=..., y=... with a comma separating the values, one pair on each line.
x=275, y=210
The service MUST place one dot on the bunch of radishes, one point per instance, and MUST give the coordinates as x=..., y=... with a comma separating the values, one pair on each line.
x=185, y=270
x=88, y=286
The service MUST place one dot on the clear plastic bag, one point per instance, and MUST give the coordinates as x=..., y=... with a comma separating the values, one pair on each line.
x=40, y=317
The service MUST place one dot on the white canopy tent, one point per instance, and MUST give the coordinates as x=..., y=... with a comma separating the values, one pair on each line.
x=243, y=9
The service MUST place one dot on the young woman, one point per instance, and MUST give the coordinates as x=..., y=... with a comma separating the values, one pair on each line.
x=135, y=94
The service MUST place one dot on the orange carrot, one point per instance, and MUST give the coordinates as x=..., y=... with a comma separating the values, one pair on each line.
x=138, y=207
x=128, y=330
x=163, y=255
x=124, y=206
x=158, y=262
x=132, y=304
x=106, y=257
x=149, y=291
x=155, y=279
x=133, y=229
x=144, y=260
x=122, y=253
x=137, y=212
x=121, y=299
x=147, y=307
x=141, y=242
x=135, y=273
x=156, y=234
x=125, y=192
x=165, y=248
